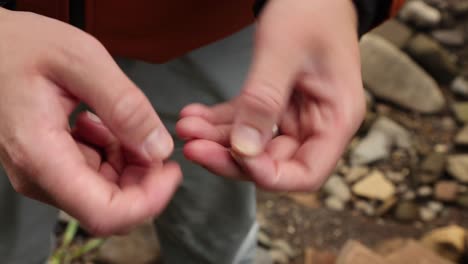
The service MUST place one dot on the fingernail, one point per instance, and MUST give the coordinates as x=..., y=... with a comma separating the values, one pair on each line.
x=158, y=145
x=247, y=141
x=93, y=117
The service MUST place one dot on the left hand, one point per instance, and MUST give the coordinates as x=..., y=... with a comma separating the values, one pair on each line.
x=306, y=78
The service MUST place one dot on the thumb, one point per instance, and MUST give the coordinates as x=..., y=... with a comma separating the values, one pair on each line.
x=95, y=78
x=266, y=92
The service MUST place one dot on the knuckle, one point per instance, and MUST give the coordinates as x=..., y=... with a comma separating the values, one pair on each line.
x=266, y=98
x=129, y=111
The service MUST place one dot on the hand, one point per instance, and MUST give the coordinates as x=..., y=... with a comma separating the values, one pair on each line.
x=47, y=68
x=306, y=78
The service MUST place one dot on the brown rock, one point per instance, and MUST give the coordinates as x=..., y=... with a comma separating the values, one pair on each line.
x=354, y=252
x=462, y=136
x=309, y=200
x=446, y=191
x=415, y=253
x=312, y=256
x=448, y=242
x=139, y=247
x=375, y=186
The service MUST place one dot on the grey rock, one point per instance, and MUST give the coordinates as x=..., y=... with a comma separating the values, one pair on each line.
x=391, y=75
x=420, y=14
x=395, y=32
x=426, y=214
x=337, y=187
x=460, y=86
x=279, y=257
x=334, y=203
x=383, y=135
x=355, y=173
x=283, y=246
x=263, y=256
x=425, y=191
x=365, y=207
x=457, y=166
x=435, y=206
x=449, y=37
x=407, y=211
x=434, y=58
x=375, y=146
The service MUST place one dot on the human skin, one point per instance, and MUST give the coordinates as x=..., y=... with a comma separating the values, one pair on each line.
x=305, y=76
x=109, y=174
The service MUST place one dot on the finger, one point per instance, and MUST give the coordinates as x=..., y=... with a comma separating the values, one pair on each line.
x=105, y=208
x=267, y=90
x=93, y=158
x=95, y=78
x=90, y=130
x=213, y=157
x=190, y=128
x=282, y=148
x=217, y=114
x=305, y=171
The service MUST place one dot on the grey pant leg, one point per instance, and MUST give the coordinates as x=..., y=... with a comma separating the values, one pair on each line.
x=25, y=227
x=210, y=219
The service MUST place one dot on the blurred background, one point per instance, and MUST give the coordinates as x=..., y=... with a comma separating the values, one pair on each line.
x=399, y=194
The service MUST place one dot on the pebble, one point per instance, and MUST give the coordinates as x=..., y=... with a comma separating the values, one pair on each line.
x=460, y=86
x=446, y=191
x=462, y=136
x=365, y=207
x=424, y=191
x=279, y=257
x=450, y=237
x=391, y=75
x=337, y=187
x=334, y=203
x=462, y=200
x=375, y=186
x=434, y=58
x=383, y=135
x=396, y=177
x=461, y=111
x=409, y=195
x=435, y=206
x=284, y=246
x=407, y=211
x=434, y=163
x=263, y=256
x=395, y=32
x=426, y=214
x=420, y=14
x=449, y=37
x=457, y=166
x=355, y=173
x=460, y=8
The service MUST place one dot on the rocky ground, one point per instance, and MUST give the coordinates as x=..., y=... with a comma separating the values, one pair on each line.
x=404, y=175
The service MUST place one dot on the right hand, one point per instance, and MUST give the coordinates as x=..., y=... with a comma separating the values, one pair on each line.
x=46, y=69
